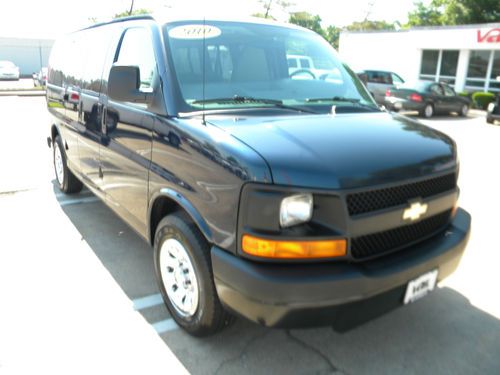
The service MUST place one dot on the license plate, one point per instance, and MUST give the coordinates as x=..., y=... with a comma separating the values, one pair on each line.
x=398, y=105
x=420, y=286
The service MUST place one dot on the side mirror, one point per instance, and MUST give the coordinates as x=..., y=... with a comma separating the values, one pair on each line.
x=123, y=85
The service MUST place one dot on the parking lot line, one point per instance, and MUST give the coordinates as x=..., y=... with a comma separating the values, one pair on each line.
x=165, y=326
x=148, y=301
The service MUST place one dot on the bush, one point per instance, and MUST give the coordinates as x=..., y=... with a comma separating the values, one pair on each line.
x=482, y=99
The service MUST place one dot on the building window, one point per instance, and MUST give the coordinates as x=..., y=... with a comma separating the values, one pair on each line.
x=484, y=67
x=495, y=72
x=449, y=63
x=429, y=62
x=439, y=65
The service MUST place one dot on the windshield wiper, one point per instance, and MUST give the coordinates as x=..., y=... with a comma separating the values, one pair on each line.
x=341, y=99
x=249, y=99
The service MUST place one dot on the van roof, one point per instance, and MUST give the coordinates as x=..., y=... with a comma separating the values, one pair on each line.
x=198, y=18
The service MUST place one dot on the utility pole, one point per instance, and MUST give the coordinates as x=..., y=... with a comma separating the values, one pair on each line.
x=268, y=8
x=371, y=3
x=131, y=8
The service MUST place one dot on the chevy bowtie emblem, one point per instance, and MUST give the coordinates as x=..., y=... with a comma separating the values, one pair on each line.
x=415, y=210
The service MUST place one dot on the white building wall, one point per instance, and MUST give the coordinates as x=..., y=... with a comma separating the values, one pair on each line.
x=29, y=54
x=381, y=51
x=401, y=51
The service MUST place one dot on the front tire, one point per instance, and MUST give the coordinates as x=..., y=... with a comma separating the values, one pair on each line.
x=67, y=182
x=184, y=274
x=464, y=110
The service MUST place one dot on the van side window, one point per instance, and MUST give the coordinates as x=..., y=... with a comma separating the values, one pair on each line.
x=292, y=63
x=304, y=63
x=137, y=50
x=95, y=43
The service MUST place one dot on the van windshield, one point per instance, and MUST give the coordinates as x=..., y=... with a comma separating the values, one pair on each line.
x=221, y=65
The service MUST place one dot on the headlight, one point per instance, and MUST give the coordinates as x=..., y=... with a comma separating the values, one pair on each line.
x=296, y=209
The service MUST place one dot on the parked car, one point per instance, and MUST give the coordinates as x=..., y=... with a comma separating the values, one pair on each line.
x=493, y=112
x=8, y=70
x=378, y=81
x=290, y=202
x=428, y=98
x=40, y=78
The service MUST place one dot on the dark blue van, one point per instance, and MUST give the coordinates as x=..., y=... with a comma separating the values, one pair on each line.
x=277, y=192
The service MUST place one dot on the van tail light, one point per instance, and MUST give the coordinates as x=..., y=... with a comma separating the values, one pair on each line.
x=388, y=92
x=415, y=97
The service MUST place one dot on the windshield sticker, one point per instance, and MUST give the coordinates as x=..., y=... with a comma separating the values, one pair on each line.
x=194, y=32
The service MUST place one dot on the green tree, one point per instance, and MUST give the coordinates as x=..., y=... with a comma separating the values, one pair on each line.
x=135, y=12
x=370, y=25
x=309, y=21
x=262, y=15
x=271, y=4
x=424, y=16
x=333, y=35
x=454, y=12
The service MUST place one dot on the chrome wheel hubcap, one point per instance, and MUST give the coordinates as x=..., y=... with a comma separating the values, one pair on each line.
x=178, y=277
x=465, y=109
x=58, y=164
x=428, y=111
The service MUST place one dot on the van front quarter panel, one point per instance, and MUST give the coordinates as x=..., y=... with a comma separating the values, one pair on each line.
x=207, y=167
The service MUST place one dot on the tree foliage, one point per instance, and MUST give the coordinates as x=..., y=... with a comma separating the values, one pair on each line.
x=309, y=21
x=454, y=12
x=135, y=12
x=370, y=25
x=270, y=5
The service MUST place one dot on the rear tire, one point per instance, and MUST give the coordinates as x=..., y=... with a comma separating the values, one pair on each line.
x=183, y=269
x=67, y=182
x=489, y=120
x=427, y=111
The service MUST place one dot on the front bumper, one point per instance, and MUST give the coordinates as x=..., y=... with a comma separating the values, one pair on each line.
x=339, y=294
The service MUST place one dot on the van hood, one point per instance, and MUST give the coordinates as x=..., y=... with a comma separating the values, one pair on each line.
x=342, y=151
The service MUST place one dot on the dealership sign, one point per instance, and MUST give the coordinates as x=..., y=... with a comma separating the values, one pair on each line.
x=492, y=36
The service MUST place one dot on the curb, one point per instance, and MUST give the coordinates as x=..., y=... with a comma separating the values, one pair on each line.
x=23, y=93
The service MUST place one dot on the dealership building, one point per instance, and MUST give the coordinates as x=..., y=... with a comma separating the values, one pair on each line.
x=30, y=55
x=467, y=56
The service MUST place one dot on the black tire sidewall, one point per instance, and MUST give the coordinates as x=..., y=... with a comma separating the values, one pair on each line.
x=175, y=227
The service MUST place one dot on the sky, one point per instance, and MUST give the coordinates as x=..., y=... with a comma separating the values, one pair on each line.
x=51, y=18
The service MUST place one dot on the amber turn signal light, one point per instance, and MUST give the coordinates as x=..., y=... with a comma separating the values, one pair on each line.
x=261, y=247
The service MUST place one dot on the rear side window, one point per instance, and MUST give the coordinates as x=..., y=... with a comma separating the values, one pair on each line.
x=396, y=78
x=436, y=89
x=448, y=91
x=137, y=50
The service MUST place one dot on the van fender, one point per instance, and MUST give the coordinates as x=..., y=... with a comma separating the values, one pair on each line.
x=186, y=205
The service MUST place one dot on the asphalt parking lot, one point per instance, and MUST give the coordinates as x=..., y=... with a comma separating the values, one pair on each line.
x=78, y=293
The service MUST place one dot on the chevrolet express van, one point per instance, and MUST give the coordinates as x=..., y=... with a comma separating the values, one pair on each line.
x=290, y=201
